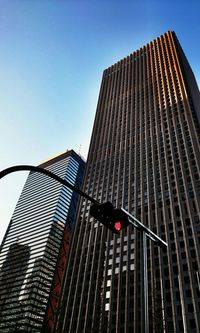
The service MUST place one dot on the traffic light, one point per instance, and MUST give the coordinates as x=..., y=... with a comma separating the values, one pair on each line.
x=113, y=218
x=120, y=220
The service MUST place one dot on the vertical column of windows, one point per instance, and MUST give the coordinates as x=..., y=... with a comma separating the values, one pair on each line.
x=132, y=136
x=159, y=157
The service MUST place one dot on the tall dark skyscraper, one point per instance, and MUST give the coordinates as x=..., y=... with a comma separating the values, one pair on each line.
x=34, y=250
x=144, y=156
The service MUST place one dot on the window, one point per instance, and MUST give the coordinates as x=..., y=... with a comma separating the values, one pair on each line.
x=192, y=323
x=108, y=283
x=107, y=307
x=107, y=294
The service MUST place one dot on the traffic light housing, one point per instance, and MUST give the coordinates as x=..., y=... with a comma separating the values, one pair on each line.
x=113, y=218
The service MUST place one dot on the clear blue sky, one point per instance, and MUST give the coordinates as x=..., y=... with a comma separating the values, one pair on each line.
x=52, y=55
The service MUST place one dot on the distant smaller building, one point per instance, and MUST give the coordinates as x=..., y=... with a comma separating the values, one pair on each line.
x=35, y=247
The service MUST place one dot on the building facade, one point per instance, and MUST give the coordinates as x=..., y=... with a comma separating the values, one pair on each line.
x=144, y=156
x=14, y=268
x=34, y=247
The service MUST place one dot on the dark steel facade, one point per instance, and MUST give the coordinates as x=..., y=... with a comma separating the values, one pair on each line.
x=144, y=156
x=34, y=247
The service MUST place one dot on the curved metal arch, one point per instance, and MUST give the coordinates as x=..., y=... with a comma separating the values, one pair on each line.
x=48, y=173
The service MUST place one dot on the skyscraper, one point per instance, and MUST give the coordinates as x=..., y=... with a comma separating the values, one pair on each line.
x=144, y=156
x=32, y=249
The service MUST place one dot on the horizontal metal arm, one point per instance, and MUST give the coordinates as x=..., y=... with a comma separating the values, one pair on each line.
x=136, y=223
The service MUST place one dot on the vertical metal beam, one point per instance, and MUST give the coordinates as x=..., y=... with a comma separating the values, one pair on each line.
x=144, y=284
x=144, y=233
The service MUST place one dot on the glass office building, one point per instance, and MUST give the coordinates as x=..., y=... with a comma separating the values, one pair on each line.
x=32, y=248
x=144, y=156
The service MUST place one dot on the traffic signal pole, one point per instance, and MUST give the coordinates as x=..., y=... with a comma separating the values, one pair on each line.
x=104, y=212
x=145, y=232
x=144, y=284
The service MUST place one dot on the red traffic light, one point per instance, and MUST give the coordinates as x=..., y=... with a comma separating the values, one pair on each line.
x=113, y=218
x=118, y=226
